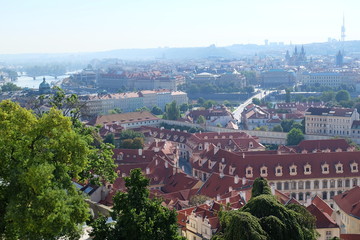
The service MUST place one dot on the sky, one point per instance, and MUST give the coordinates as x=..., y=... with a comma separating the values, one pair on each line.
x=56, y=26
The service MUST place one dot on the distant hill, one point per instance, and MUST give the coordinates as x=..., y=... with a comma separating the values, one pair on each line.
x=234, y=51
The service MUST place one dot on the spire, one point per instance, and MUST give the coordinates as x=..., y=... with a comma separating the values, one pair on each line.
x=302, y=49
x=343, y=30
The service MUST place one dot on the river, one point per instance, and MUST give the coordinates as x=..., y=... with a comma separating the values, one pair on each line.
x=29, y=82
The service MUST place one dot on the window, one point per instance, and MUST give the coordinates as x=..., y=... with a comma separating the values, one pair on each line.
x=307, y=184
x=324, y=195
x=301, y=196
x=325, y=184
x=293, y=170
x=293, y=195
x=249, y=172
x=339, y=183
x=301, y=185
x=307, y=169
x=332, y=183
x=325, y=168
x=354, y=167
x=278, y=171
x=279, y=185
x=263, y=171
x=328, y=235
x=286, y=186
x=355, y=182
x=293, y=185
x=347, y=183
x=332, y=194
x=316, y=184
x=339, y=168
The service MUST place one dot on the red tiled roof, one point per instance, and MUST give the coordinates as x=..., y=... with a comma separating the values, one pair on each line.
x=349, y=236
x=349, y=201
x=323, y=220
x=240, y=161
x=331, y=144
x=322, y=205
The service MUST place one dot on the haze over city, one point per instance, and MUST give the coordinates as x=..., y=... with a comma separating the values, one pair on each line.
x=41, y=26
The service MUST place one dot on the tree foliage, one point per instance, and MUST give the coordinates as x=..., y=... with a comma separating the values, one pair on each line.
x=156, y=110
x=137, y=216
x=263, y=217
x=260, y=187
x=201, y=120
x=342, y=95
x=277, y=128
x=10, y=87
x=172, y=111
x=256, y=101
x=294, y=137
x=40, y=157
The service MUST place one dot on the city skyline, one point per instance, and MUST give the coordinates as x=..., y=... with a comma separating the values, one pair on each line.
x=90, y=26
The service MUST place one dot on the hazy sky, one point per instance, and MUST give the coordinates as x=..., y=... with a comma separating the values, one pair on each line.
x=52, y=26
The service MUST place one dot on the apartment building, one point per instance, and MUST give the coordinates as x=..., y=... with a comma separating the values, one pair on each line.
x=96, y=104
x=330, y=121
x=329, y=79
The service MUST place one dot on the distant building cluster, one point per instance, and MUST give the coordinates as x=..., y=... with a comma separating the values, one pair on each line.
x=96, y=104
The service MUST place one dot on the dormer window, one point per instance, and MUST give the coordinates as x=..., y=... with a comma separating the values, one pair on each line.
x=200, y=147
x=354, y=167
x=307, y=169
x=249, y=172
x=339, y=168
x=120, y=156
x=325, y=168
x=210, y=164
x=278, y=171
x=206, y=137
x=221, y=167
x=263, y=171
x=251, y=144
x=293, y=170
x=231, y=170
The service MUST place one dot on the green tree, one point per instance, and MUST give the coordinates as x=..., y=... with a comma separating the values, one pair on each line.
x=201, y=120
x=110, y=139
x=277, y=128
x=260, y=187
x=227, y=103
x=209, y=104
x=115, y=111
x=201, y=101
x=328, y=96
x=264, y=217
x=294, y=137
x=40, y=157
x=130, y=134
x=10, y=87
x=142, y=109
x=342, y=95
x=184, y=107
x=172, y=111
x=287, y=124
x=156, y=110
x=256, y=101
x=137, y=216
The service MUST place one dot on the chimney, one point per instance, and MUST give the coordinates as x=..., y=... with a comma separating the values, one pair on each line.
x=216, y=149
x=227, y=200
x=236, y=179
x=243, y=155
x=174, y=170
x=308, y=200
x=166, y=164
x=221, y=175
x=230, y=188
x=243, y=195
x=147, y=170
x=218, y=197
x=272, y=186
x=140, y=152
x=183, y=168
x=156, y=162
x=243, y=181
